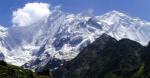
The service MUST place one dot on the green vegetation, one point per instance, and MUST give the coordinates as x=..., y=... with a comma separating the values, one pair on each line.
x=11, y=71
x=41, y=76
x=140, y=72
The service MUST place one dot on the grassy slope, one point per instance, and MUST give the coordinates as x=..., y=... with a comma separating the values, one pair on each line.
x=11, y=71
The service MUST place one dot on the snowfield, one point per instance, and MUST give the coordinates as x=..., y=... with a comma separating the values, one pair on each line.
x=62, y=35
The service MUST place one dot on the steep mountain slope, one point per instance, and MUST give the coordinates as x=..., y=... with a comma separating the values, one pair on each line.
x=62, y=35
x=108, y=58
x=3, y=43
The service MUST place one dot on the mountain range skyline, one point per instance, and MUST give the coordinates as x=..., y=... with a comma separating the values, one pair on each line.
x=61, y=35
x=74, y=39
x=134, y=8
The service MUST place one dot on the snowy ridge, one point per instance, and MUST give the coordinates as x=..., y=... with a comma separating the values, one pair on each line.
x=123, y=26
x=62, y=35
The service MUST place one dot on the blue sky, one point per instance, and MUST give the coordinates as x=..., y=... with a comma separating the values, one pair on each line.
x=136, y=8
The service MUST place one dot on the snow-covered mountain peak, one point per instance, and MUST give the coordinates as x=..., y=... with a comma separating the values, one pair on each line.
x=3, y=28
x=116, y=13
x=120, y=25
x=113, y=17
x=3, y=31
x=62, y=36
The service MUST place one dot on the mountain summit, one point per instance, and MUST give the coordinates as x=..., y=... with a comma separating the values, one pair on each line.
x=62, y=35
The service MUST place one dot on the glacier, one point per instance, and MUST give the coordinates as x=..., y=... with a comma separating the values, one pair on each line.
x=63, y=35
